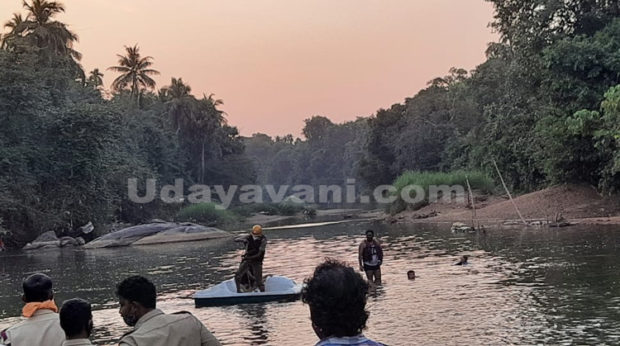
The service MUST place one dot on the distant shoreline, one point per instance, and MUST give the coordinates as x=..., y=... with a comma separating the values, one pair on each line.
x=572, y=204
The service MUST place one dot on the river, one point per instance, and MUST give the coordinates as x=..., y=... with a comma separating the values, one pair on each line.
x=522, y=286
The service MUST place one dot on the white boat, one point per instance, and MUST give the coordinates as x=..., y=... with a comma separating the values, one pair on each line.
x=277, y=288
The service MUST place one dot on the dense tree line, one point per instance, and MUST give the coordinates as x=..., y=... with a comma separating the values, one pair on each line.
x=66, y=151
x=545, y=105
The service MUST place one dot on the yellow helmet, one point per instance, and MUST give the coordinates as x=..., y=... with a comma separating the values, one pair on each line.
x=257, y=230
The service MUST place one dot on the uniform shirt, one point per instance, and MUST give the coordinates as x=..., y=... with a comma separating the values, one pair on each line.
x=77, y=342
x=43, y=328
x=158, y=329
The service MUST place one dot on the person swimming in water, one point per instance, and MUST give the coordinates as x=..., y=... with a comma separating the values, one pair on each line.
x=411, y=275
x=462, y=261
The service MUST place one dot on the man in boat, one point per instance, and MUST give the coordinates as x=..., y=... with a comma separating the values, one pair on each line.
x=76, y=319
x=336, y=295
x=152, y=327
x=41, y=326
x=251, y=266
x=370, y=258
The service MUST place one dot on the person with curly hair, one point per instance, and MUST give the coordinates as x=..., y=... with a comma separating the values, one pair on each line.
x=336, y=295
x=152, y=327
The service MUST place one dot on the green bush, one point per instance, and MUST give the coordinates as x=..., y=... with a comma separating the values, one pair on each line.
x=477, y=180
x=289, y=208
x=207, y=213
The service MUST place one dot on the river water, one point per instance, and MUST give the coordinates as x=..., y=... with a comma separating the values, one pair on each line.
x=522, y=286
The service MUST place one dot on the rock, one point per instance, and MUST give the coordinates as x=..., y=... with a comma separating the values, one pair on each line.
x=87, y=228
x=156, y=233
x=45, y=240
x=41, y=244
x=64, y=241
x=560, y=224
x=458, y=227
x=425, y=216
x=183, y=233
x=47, y=236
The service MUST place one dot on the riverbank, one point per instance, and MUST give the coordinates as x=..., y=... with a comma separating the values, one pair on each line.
x=575, y=204
x=321, y=215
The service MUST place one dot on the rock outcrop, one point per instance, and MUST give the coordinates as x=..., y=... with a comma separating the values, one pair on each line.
x=157, y=233
x=50, y=240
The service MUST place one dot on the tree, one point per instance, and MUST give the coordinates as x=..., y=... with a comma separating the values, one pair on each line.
x=17, y=27
x=179, y=102
x=47, y=33
x=135, y=72
x=316, y=128
x=95, y=78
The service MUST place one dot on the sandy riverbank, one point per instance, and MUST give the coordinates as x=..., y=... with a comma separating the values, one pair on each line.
x=574, y=203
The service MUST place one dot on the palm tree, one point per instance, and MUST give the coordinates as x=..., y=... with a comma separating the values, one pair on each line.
x=95, y=78
x=134, y=71
x=179, y=101
x=17, y=26
x=48, y=33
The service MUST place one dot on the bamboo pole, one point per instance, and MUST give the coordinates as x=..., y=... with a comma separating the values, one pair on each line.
x=473, y=205
x=508, y=192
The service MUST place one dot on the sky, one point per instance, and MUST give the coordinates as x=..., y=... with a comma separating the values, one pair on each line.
x=275, y=63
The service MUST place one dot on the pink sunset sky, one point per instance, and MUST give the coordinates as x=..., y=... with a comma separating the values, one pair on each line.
x=275, y=63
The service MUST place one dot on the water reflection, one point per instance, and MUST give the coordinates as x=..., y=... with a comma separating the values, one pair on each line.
x=521, y=286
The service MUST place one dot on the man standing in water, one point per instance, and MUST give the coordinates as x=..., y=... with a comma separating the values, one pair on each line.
x=371, y=257
x=252, y=260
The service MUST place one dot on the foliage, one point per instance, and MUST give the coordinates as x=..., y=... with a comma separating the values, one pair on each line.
x=477, y=180
x=207, y=213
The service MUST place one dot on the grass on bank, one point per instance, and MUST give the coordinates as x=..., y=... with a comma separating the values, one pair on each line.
x=210, y=214
x=207, y=213
x=477, y=180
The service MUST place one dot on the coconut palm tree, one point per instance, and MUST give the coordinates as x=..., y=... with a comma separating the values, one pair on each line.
x=135, y=71
x=95, y=78
x=46, y=32
x=179, y=101
x=17, y=26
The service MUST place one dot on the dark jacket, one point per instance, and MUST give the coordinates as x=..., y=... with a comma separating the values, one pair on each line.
x=255, y=249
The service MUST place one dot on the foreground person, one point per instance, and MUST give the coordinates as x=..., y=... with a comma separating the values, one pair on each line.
x=41, y=326
x=370, y=258
x=250, y=272
x=152, y=327
x=76, y=319
x=336, y=295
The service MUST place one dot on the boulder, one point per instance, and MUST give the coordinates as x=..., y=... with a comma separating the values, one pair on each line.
x=156, y=233
x=64, y=241
x=458, y=227
x=45, y=240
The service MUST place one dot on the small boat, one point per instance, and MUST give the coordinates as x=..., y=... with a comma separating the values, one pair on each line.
x=277, y=288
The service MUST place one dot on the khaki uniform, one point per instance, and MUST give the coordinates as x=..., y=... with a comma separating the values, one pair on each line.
x=77, y=342
x=43, y=328
x=159, y=329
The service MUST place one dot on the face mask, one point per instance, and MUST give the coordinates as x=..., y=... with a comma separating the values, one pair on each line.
x=369, y=238
x=130, y=320
x=255, y=237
